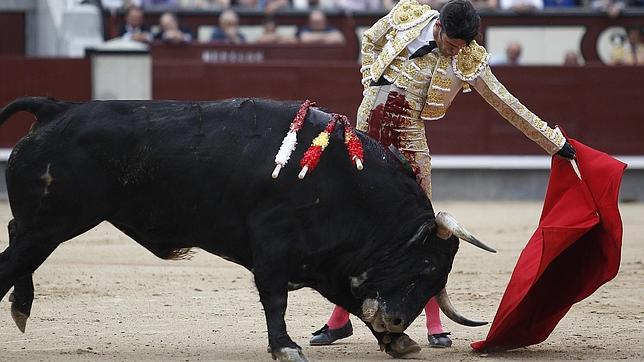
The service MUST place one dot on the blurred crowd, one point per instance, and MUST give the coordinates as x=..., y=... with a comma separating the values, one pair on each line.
x=612, y=7
x=317, y=30
x=627, y=49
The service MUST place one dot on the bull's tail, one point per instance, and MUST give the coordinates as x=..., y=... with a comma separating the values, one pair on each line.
x=41, y=107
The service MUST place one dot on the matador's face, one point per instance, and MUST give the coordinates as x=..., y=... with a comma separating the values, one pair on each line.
x=446, y=45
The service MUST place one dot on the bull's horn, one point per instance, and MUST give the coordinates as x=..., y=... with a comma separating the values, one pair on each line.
x=446, y=306
x=447, y=221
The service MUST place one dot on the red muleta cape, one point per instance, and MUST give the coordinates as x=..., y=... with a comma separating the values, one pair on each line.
x=575, y=249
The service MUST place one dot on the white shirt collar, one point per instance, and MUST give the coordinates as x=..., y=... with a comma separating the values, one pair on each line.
x=426, y=35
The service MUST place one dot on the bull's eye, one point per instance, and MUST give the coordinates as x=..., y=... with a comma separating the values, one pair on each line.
x=429, y=270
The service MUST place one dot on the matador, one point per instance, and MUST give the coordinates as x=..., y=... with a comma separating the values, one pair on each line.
x=415, y=61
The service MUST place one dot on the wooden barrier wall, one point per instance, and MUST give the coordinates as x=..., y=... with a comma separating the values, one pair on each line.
x=599, y=105
x=12, y=33
x=594, y=104
x=68, y=79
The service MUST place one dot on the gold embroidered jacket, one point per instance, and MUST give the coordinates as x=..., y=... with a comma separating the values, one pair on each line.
x=384, y=54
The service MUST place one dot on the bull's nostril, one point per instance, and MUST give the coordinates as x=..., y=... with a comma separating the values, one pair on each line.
x=397, y=321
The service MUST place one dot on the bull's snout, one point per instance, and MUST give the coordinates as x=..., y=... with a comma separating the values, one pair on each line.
x=369, y=310
x=394, y=323
x=380, y=320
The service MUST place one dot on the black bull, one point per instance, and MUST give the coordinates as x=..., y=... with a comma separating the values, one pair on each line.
x=177, y=175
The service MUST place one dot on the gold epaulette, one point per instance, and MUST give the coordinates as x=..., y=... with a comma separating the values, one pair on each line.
x=409, y=13
x=470, y=62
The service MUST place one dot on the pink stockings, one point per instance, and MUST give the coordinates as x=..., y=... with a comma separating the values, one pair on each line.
x=433, y=315
x=340, y=317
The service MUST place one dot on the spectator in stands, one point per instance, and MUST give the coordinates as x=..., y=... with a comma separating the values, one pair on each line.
x=513, y=53
x=521, y=6
x=170, y=31
x=387, y=5
x=319, y=31
x=228, y=30
x=314, y=4
x=435, y=4
x=245, y=4
x=359, y=5
x=272, y=6
x=112, y=4
x=485, y=4
x=142, y=3
x=270, y=34
x=134, y=27
x=159, y=3
x=630, y=51
x=511, y=57
x=571, y=59
x=611, y=7
x=205, y=4
x=560, y=3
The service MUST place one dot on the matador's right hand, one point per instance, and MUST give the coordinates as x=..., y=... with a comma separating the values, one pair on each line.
x=567, y=151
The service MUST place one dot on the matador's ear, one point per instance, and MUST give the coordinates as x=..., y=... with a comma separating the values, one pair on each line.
x=422, y=234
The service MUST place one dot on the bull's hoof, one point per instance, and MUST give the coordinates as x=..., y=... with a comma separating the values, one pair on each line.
x=19, y=317
x=403, y=347
x=289, y=354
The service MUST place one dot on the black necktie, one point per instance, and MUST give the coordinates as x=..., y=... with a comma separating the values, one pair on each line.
x=425, y=49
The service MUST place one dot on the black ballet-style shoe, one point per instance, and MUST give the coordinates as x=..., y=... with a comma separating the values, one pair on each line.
x=439, y=340
x=325, y=336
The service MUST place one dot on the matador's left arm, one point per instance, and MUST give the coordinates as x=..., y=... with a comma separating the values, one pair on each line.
x=471, y=66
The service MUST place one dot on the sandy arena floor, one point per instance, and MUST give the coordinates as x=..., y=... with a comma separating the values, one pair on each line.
x=103, y=297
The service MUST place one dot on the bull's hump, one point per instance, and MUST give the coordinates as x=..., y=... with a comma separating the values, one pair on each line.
x=318, y=116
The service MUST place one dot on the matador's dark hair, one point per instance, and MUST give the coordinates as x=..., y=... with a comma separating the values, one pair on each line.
x=460, y=20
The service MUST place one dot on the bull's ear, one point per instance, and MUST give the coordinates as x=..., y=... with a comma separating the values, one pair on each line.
x=422, y=234
x=432, y=226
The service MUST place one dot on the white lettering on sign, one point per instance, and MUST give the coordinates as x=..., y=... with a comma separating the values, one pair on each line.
x=232, y=56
